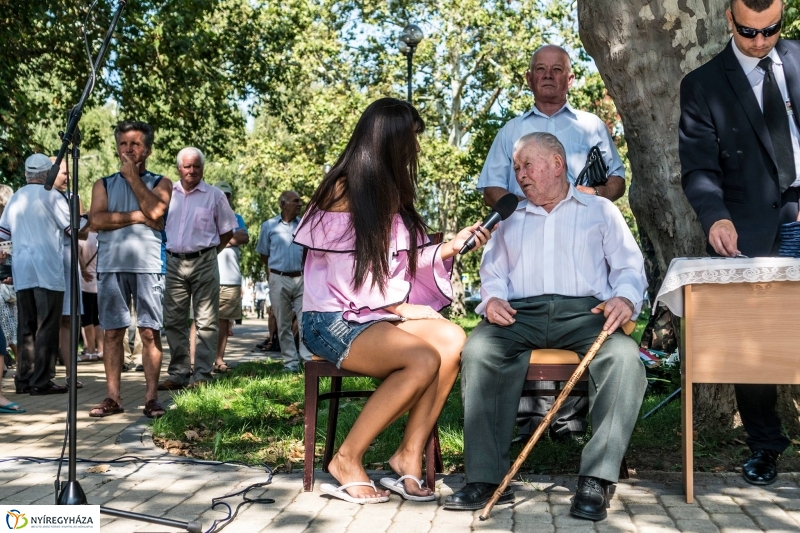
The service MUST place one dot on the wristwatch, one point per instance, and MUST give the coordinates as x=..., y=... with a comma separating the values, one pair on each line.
x=596, y=192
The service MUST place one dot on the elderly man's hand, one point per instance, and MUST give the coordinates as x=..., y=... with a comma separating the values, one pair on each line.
x=723, y=238
x=617, y=311
x=499, y=312
x=8, y=281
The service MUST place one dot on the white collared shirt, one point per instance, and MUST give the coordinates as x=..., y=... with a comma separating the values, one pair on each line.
x=756, y=78
x=583, y=247
x=36, y=222
x=577, y=130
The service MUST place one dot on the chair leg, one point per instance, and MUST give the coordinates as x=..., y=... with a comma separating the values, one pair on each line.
x=333, y=419
x=623, y=470
x=433, y=458
x=311, y=395
x=438, y=450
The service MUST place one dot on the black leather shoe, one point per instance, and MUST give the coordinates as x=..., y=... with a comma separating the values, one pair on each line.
x=761, y=468
x=50, y=388
x=476, y=496
x=577, y=437
x=591, y=499
x=22, y=388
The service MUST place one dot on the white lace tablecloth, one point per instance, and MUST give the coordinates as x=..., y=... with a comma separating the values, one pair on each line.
x=692, y=271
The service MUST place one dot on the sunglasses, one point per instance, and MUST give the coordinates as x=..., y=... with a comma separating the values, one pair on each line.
x=751, y=33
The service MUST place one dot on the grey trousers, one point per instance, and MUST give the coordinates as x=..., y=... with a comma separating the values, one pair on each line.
x=192, y=282
x=493, y=367
x=286, y=296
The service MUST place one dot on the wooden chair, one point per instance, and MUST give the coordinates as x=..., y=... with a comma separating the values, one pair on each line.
x=318, y=368
x=559, y=365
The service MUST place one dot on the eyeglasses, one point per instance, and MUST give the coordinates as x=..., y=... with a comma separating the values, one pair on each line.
x=751, y=33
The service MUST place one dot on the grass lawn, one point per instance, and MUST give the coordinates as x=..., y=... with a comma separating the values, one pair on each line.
x=255, y=414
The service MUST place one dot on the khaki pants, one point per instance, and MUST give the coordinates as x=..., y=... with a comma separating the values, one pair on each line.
x=192, y=283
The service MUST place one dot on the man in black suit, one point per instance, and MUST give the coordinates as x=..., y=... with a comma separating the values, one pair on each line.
x=740, y=163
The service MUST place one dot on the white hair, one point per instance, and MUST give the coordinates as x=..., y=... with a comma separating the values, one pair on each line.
x=548, y=141
x=36, y=177
x=191, y=150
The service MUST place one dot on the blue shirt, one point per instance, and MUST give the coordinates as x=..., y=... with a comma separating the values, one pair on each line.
x=276, y=241
x=578, y=131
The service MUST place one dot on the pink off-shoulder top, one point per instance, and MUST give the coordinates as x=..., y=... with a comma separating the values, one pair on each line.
x=330, y=267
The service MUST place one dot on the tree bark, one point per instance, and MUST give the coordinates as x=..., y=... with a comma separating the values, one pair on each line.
x=642, y=50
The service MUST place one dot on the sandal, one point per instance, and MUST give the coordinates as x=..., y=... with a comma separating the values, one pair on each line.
x=107, y=408
x=221, y=368
x=153, y=409
x=397, y=485
x=340, y=491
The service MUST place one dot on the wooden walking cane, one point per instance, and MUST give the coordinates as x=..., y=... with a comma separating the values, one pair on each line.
x=545, y=423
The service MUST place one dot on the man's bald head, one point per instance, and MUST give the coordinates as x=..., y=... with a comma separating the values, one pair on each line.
x=551, y=49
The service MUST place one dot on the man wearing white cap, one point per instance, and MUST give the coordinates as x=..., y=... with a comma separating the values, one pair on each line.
x=36, y=222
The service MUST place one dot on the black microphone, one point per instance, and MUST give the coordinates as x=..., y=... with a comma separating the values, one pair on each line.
x=501, y=211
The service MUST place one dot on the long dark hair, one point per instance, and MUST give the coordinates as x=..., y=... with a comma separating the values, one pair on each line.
x=377, y=175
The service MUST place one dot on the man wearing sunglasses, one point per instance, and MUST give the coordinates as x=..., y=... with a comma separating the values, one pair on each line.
x=739, y=148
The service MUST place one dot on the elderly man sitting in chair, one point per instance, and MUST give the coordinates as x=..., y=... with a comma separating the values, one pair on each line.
x=549, y=266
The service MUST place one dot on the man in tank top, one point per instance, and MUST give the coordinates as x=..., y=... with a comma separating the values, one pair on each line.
x=128, y=211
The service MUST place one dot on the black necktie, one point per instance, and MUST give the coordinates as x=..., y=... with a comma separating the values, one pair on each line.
x=778, y=125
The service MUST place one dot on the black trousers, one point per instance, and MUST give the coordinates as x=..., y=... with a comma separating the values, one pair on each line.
x=757, y=402
x=39, y=319
x=756, y=405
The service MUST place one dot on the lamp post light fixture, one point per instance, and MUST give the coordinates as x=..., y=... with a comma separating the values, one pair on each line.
x=409, y=39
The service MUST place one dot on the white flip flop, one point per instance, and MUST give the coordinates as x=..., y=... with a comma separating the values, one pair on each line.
x=340, y=491
x=397, y=485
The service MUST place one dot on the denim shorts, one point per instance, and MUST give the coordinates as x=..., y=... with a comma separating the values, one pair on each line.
x=328, y=335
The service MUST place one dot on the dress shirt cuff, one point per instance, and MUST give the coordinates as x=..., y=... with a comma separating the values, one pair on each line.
x=630, y=292
x=488, y=294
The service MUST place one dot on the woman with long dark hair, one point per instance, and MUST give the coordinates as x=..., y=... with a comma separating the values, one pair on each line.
x=374, y=285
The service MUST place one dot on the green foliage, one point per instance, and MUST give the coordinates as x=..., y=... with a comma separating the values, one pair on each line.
x=185, y=66
x=303, y=72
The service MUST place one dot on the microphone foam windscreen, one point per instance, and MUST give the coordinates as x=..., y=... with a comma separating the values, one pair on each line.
x=506, y=205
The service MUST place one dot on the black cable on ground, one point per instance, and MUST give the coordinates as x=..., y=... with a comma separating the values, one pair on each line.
x=218, y=524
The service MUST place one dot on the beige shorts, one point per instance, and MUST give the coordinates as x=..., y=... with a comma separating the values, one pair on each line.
x=230, y=302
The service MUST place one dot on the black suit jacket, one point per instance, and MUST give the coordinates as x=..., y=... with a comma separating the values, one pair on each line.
x=728, y=168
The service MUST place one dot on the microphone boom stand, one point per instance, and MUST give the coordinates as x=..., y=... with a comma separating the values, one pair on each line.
x=70, y=492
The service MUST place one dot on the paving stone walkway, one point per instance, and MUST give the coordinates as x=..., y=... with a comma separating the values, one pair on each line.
x=167, y=486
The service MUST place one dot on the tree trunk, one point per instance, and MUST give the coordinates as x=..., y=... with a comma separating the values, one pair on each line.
x=642, y=50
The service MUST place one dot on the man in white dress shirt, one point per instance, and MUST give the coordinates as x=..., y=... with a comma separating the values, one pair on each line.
x=550, y=77
x=543, y=274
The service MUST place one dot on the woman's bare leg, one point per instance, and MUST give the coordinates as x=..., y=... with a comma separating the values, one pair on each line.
x=448, y=340
x=408, y=366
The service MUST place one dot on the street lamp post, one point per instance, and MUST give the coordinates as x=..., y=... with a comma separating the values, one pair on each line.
x=409, y=39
